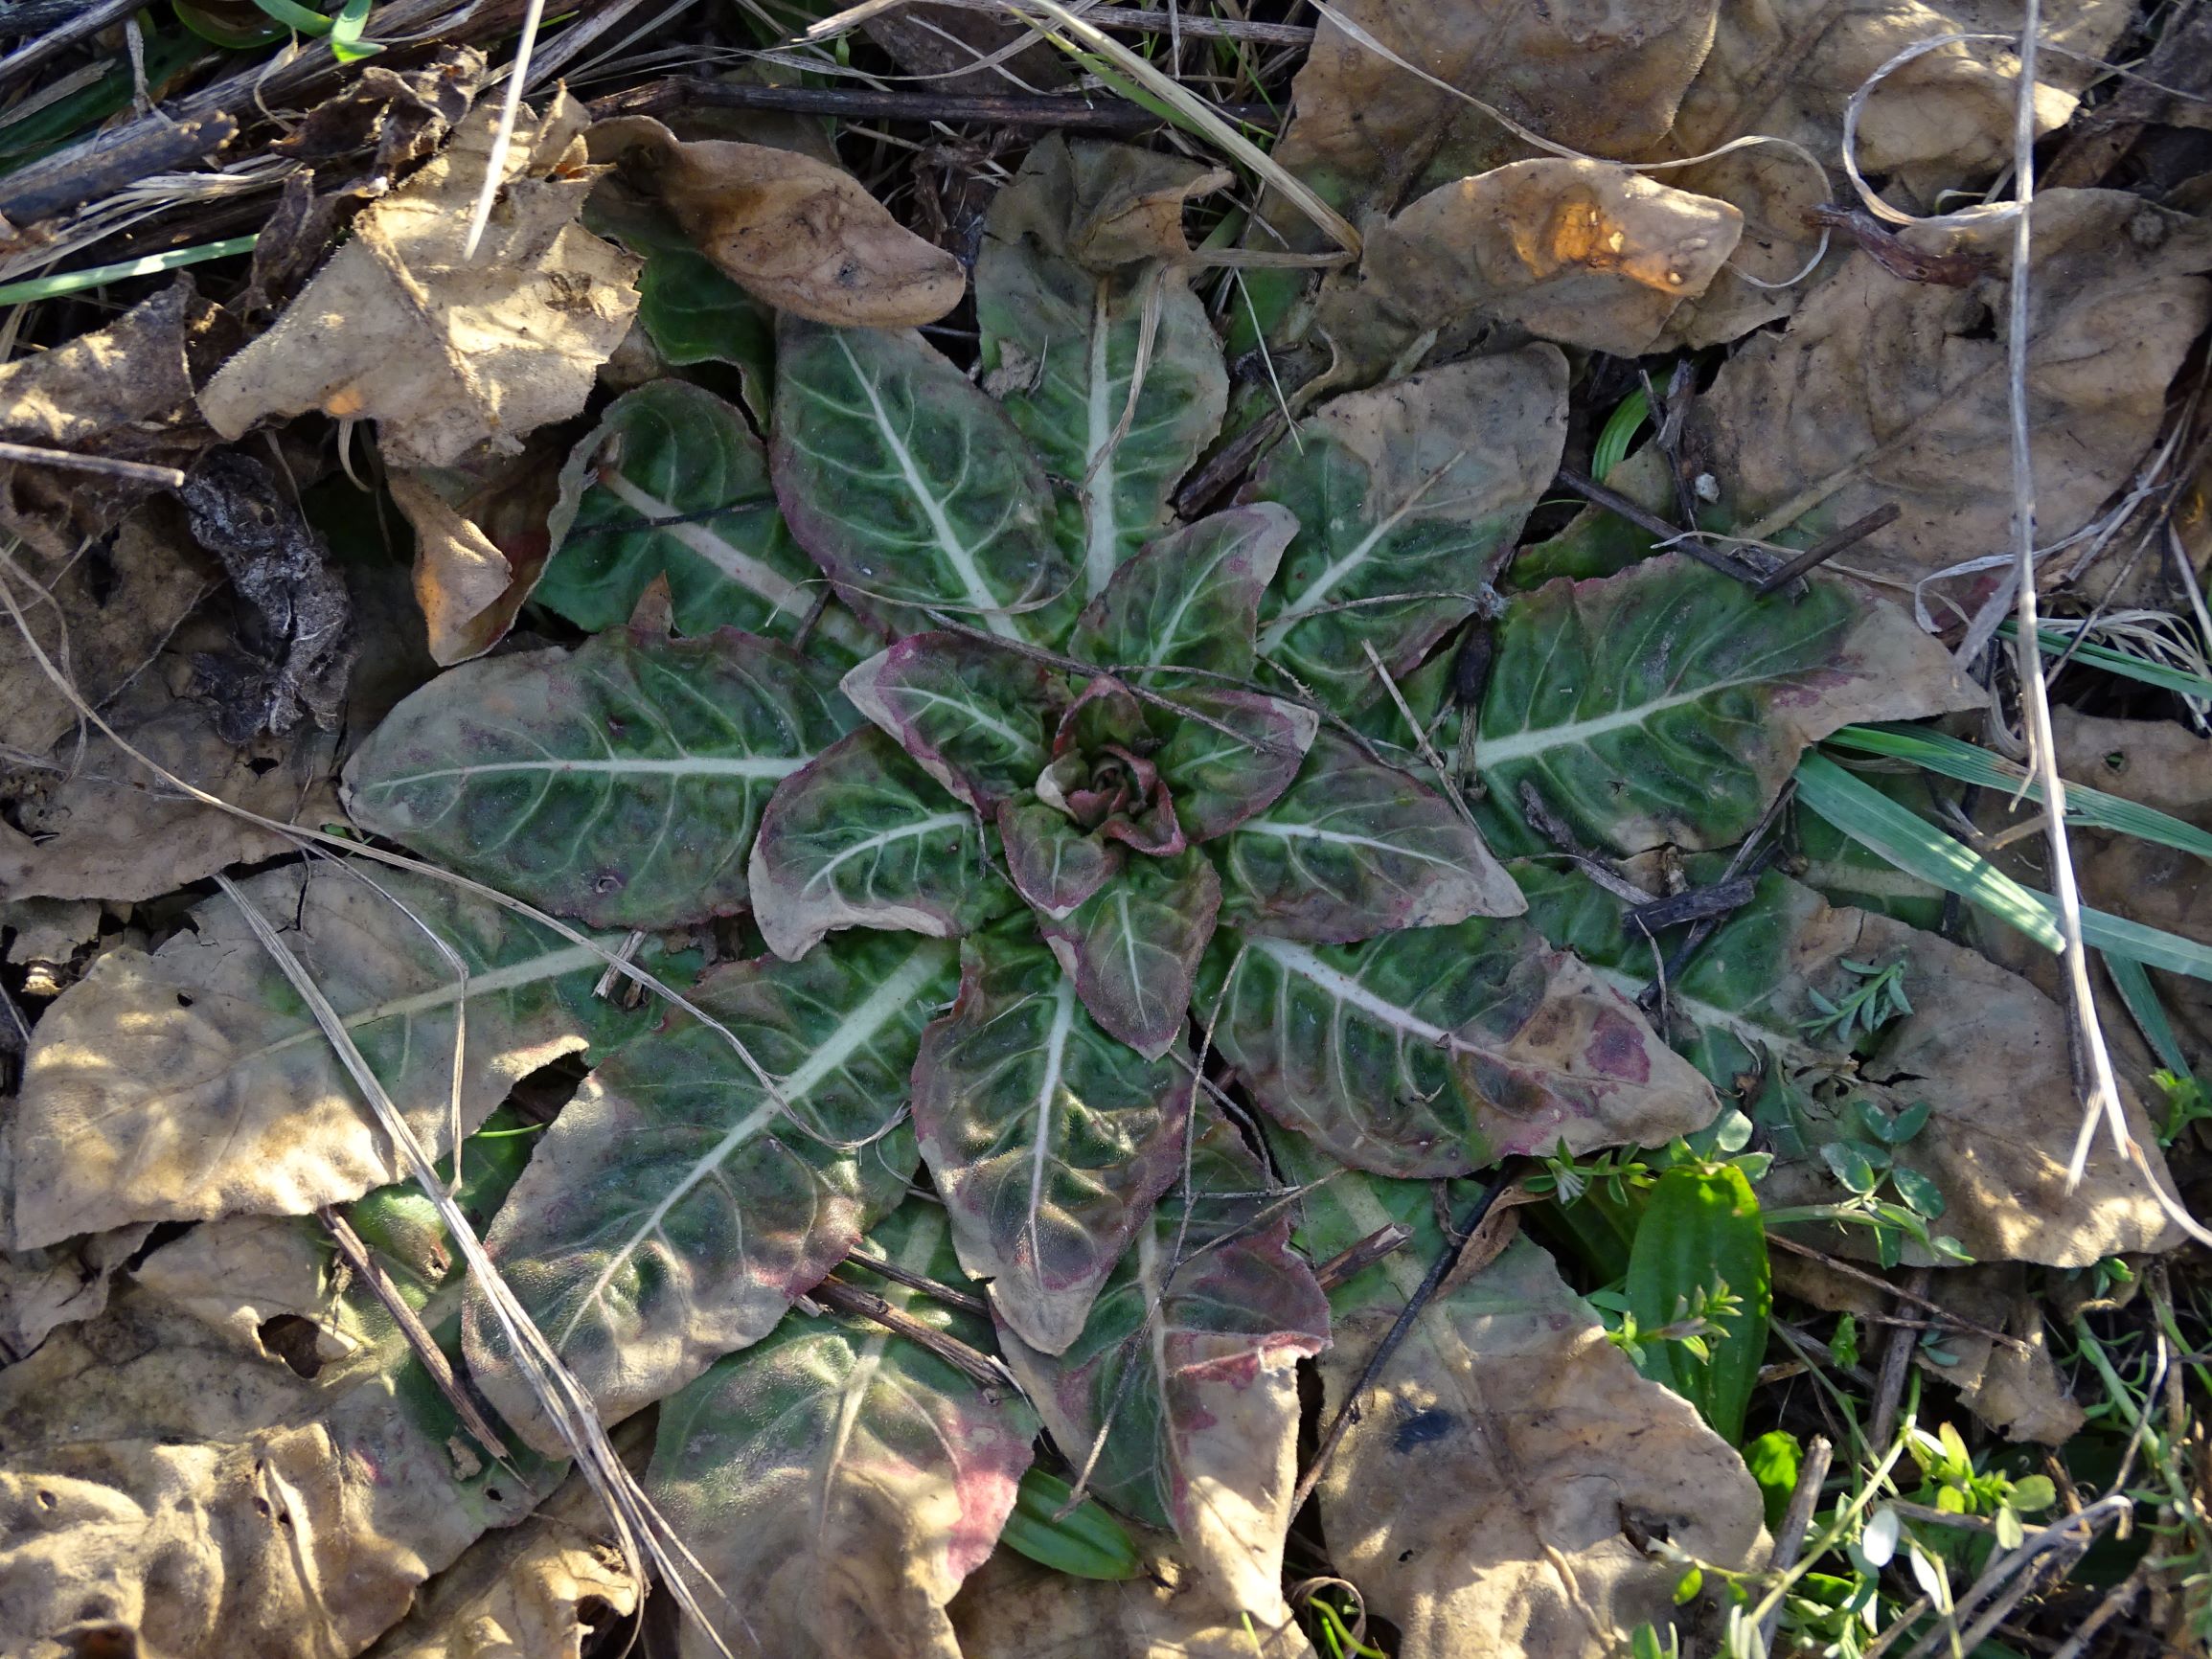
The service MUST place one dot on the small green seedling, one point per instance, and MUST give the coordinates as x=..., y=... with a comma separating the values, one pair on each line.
x=1867, y=1006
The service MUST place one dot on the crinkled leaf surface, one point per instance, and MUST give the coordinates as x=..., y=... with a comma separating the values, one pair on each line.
x=1012, y=1608
x=1668, y=704
x=1048, y=1138
x=838, y=1480
x=1054, y=863
x=676, y=1207
x=1132, y=947
x=863, y=837
x=193, y=1082
x=620, y=782
x=1353, y=849
x=1486, y=1496
x=1234, y=762
x=912, y=488
x=675, y=452
x=1205, y=1439
x=972, y=716
x=1071, y=252
x=174, y=1485
x=1982, y=1047
x=1438, y=1050
x=1406, y=499
x=1192, y=597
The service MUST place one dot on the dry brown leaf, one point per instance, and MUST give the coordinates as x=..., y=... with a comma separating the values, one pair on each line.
x=1786, y=68
x=41, y=1291
x=446, y=351
x=804, y=236
x=533, y=1591
x=190, y=1084
x=174, y=1487
x=1586, y=253
x=125, y=391
x=1012, y=1608
x=1484, y=1497
x=1885, y=391
x=481, y=543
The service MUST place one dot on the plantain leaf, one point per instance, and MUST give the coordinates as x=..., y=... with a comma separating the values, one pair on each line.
x=620, y=782
x=911, y=488
x=863, y=837
x=838, y=1481
x=1353, y=849
x=1190, y=600
x=694, y=314
x=1219, y=780
x=1701, y=1230
x=1054, y=863
x=1060, y=292
x=1049, y=1140
x=676, y=1209
x=1407, y=497
x=673, y=483
x=191, y=1083
x=1205, y=1436
x=1669, y=704
x=972, y=716
x=1438, y=1050
x=1132, y=947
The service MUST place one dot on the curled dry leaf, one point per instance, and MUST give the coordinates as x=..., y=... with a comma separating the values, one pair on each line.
x=1407, y=497
x=1049, y=1139
x=619, y=783
x=800, y=234
x=1436, y=1051
x=1206, y=1439
x=481, y=543
x=1884, y=390
x=1983, y=1048
x=676, y=1208
x=445, y=352
x=43, y=1290
x=1588, y=253
x=1488, y=1495
x=126, y=391
x=838, y=1481
x=1012, y=1608
x=1084, y=242
x=190, y=1084
x=1668, y=704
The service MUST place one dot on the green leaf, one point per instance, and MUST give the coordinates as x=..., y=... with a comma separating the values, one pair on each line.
x=694, y=314
x=1970, y=763
x=347, y=45
x=1920, y=848
x=1219, y=780
x=1060, y=343
x=676, y=1208
x=1054, y=863
x=1406, y=496
x=620, y=782
x=1702, y=1229
x=1192, y=599
x=2052, y=642
x=193, y=1082
x=863, y=837
x=1353, y=849
x=911, y=488
x=1668, y=704
x=973, y=716
x=1204, y=1438
x=673, y=483
x=1437, y=1050
x=1775, y=1458
x=838, y=1481
x=1132, y=947
x=1048, y=1139
x=1088, y=1544
x=1918, y=1191
x=1850, y=1163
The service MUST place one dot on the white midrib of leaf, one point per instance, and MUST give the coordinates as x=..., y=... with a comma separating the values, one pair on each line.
x=988, y=605
x=973, y=713
x=1040, y=1149
x=1102, y=524
x=486, y=982
x=782, y=593
x=855, y=1031
x=756, y=766
x=1341, y=985
x=1286, y=831
x=1319, y=590
x=853, y=1394
x=1530, y=741
x=882, y=838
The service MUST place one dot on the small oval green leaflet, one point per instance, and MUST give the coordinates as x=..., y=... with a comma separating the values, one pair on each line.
x=1701, y=1232
x=1087, y=1543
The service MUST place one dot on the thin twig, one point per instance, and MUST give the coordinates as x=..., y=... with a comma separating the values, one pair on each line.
x=1749, y=860
x=973, y=1363
x=883, y=1267
x=2117, y=1600
x=1684, y=541
x=1828, y=547
x=1796, y=1519
x=372, y=1273
x=1896, y=1362
x=1073, y=112
x=1447, y=1258
x=1548, y=823
x=1696, y=905
x=135, y=471
x=1362, y=1253
x=89, y=21
x=1943, y=1314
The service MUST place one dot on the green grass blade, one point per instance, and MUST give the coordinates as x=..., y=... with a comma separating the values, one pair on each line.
x=1089, y=1543
x=1918, y=848
x=2133, y=983
x=1621, y=427
x=2058, y=645
x=1936, y=752
x=293, y=15
x=72, y=281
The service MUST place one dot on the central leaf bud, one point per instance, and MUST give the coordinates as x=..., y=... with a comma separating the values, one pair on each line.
x=1102, y=775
